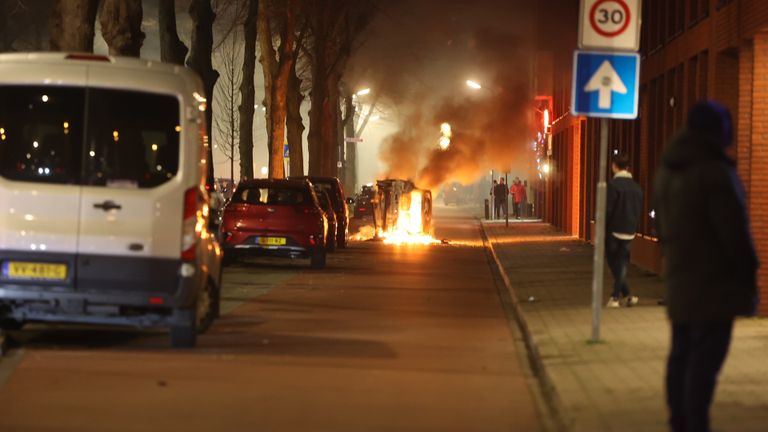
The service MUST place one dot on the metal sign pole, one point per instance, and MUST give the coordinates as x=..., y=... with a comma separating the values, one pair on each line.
x=599, y=257
x=506, y=198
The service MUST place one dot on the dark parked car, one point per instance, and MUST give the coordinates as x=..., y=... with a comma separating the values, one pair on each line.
x=364, y=203
x=327, y=206
x=280, y=218
x=336, y=192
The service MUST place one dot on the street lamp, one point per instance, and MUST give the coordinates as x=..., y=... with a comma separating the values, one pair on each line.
x=474, y=85
x=363, y=92
x=264, y=170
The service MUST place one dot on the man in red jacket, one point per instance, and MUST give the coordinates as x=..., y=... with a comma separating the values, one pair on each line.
x=519, y=197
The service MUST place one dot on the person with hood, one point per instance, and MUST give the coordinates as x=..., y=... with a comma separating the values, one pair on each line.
x=623, y=209
x=709, y=257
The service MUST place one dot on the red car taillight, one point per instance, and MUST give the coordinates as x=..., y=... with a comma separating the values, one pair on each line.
x=191, y=224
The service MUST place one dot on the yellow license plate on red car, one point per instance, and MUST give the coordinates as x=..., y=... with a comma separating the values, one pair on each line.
x=31, y=270
x=272, y=241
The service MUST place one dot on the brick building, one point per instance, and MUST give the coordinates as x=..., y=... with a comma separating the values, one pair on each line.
x=691, y=50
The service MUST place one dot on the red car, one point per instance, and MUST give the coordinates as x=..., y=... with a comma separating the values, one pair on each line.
x=280, y=218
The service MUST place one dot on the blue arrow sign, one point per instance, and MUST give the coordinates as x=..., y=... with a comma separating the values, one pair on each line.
x=606, y=84
x=286, y=152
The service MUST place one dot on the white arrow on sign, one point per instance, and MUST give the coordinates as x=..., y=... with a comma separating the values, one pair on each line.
x=606, y=81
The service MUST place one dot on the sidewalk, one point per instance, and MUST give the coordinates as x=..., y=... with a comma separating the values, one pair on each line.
x=617, y=385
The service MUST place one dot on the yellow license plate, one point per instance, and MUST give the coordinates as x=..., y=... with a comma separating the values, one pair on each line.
x=272, y=241
x=28, y=270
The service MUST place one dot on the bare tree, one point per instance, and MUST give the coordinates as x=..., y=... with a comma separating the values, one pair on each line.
x=121, y=26
x=172, y=49
x=276, y=17
x=247, y=91
x=72, y=25
x=200, y=61
x=335, y=26
x=227, y=100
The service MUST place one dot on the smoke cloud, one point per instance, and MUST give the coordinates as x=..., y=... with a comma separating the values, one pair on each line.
x=424, y=83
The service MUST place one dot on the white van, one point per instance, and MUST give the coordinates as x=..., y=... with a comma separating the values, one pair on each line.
x=103, y=205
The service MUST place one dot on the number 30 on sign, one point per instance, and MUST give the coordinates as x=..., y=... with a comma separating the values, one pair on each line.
x=610, y=24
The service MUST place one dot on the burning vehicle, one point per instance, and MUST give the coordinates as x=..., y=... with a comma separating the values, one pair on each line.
x=402, y=213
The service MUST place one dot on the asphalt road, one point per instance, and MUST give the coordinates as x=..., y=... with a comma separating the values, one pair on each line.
x=385, y=339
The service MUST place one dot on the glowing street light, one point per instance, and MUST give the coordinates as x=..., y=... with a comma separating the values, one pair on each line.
x=264, y=170
x=363, y=92
x=445, y=142
x=546, y=168
x=474, y=85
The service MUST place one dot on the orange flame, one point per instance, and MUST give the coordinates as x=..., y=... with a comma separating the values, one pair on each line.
x=410, y=224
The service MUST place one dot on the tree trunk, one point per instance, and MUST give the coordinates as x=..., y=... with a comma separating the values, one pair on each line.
x=121, y=26
x=247, y=92
x=200, y=62
x=268, y=68
x=295, y=124
x=318, y=99
x=350, y=164
x=72, y=25
x=279, y=93
x=330, y=127
x=172, y=49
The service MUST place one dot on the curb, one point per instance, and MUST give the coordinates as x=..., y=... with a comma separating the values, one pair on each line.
x=546, y=384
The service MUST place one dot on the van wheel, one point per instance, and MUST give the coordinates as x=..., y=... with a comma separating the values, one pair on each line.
x=207, y=307
x=183, y=331
x=317, y=260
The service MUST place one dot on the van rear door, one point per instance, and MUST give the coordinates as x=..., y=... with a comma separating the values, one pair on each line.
x=132, y=198
x=41, y=137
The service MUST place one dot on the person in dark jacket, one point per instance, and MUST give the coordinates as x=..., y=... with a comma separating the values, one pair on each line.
x=709, y=257
x=496, y=200
x=624, y=206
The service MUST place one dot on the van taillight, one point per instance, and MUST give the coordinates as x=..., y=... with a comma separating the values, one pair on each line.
x=190, y=224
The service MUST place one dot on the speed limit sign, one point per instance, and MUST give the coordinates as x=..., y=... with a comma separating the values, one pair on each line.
x=610, y=24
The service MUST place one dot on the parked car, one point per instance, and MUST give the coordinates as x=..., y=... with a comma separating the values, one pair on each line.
x=280, y=218
x=336, y=193
x=364, y=203
x=330, y=214
x=102, y=182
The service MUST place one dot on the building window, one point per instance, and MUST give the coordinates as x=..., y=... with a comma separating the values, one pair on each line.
x=699, y=10
x=703, y=74
x=723, y=3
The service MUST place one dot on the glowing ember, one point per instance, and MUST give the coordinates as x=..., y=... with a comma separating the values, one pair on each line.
x=410, y=224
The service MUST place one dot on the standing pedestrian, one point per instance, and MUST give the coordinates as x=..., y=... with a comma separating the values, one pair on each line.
x=495, y=198
x=503, y=197
x=709, y=256
x=518, y=197
x=625, y=204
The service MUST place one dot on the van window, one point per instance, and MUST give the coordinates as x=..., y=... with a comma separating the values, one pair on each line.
x=132, y=138
x=41, y=133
